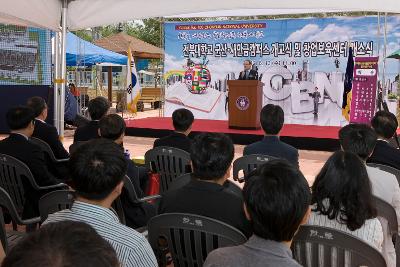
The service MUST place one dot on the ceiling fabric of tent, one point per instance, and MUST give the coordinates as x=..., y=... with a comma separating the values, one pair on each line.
x=34, y=13
x=90, y=13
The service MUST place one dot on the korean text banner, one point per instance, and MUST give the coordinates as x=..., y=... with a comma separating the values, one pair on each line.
x=25, y=56
x=296, y=59
x=363, y=94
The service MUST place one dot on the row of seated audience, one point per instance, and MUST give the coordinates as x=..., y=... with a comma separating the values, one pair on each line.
x=341, y=196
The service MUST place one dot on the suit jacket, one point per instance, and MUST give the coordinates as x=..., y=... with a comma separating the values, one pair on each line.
x=206, y=199
x=251, y=76
x=32, y=155
x=176, y=140
x=48, y=133
x=272, y=146
x=87, y=132
x=385, y=154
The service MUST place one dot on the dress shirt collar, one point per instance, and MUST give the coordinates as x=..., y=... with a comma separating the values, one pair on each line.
x=203, y=185
x=95, y=211
x=271, y=138
x=40, y=120
x=383, y=140
x=269, y=246
x=20, y=134
x=174, y=133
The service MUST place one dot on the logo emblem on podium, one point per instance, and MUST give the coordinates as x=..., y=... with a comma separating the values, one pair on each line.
x=242, y=102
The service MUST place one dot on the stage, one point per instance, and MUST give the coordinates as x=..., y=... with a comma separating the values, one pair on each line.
x=309, y=137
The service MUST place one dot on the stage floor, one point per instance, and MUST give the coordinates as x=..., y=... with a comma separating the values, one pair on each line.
x=309, y=137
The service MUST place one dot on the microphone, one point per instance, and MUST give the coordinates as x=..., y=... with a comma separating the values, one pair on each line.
x=255, y=68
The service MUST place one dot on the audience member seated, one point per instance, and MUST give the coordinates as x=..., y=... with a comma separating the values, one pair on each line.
x=98, y=168
x=272, y=119
x=361, y=139
x=112, y=127
x=182, y=120
x=211, y=156
x=277, y=199
x=98, y=108
x=62, y=244
x=385, y=125
x=21, y=121
x=342, y=199
x=45, y=131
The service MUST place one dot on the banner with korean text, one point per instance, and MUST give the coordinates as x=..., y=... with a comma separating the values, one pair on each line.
x=302, y=63
x=363, y=99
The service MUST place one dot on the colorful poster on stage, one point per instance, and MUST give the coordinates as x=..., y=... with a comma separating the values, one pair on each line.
x=363, y=93
x=296, y=59
x=25, y=56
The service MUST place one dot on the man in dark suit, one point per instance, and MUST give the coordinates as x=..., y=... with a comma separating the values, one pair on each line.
x=98, y=107
x=272, y=119
x=21, y=122
x=182, y=120
x=113, y=127
x=385, y=125
x=248, y=73
x=45, y=131
x=211, y=155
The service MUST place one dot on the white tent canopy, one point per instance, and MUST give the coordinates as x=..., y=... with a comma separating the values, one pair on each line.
x=90, y=13
x=82, y=14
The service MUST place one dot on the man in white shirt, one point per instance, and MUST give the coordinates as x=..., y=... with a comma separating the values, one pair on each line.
x=361, y=140
x=98, y=168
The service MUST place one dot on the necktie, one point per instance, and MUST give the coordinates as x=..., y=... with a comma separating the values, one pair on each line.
x=245, y=74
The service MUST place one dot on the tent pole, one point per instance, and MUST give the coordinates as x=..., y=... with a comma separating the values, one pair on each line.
x=56, y=61
x=161, y=75
x=379, y=32
x=384, y=91
x=63, y=67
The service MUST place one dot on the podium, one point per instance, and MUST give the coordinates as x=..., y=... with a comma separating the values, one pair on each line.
x=245, y=101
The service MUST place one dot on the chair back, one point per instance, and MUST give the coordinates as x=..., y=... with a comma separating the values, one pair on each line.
x=315, y=246
x=45, y=147
x=386, y=211
x=189, y=238
x=7, y=203
x=55, y=201
x=247, y=164
x=180, y=181
x=14, y=176
x=8, y=238
x=169, y=163
x=386, y=168
x=3, y=232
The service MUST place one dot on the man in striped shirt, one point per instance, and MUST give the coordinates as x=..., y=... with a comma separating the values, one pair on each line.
x=97, y=169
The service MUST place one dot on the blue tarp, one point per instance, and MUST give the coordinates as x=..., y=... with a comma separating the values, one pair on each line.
x=84, y=53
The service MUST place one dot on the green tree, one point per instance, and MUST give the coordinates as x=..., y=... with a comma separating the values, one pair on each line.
x=84, y=34
x=149, y=31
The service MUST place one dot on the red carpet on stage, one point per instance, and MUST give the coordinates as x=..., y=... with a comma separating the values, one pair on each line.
x=292, y=130
x=301, y=136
